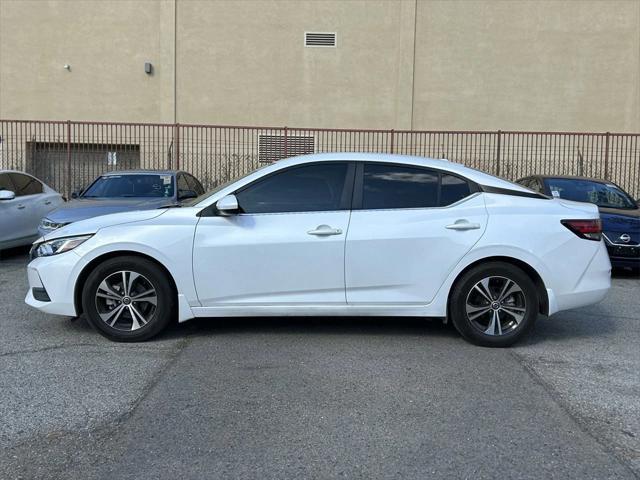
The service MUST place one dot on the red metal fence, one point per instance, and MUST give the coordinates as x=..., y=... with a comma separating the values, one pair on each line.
x=67, y=154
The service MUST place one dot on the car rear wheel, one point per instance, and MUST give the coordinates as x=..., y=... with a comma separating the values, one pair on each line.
x=128, y=299
x=494, y=304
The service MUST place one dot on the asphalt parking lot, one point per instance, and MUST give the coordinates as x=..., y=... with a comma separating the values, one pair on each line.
x=319, y=398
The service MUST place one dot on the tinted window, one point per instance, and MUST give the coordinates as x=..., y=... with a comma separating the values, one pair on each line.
x=25, y=185
x=131, y=185
x=310, y=188
x=604, y=195
x=182, y=183
x=536, y=185
x=194, y=184
x=525, y=182
x=394, y=186
x=453, y=189
x=5, y=182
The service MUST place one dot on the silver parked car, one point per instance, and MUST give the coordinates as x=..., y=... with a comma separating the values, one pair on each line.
x=24, y=201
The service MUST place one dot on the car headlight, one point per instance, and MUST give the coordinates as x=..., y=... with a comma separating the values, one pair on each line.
x=56, y=246
x=47, y=224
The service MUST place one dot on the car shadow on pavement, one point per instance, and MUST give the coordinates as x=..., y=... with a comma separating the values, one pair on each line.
x=625, y=273
x=569, y=325
x=15, y=255
x=384, y=326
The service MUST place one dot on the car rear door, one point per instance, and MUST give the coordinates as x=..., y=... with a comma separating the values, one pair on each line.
x=287, y=245
x=409, y=227
x=8, y=212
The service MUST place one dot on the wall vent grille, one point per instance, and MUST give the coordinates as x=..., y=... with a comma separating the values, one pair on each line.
x=319, y=39
x=272, y=147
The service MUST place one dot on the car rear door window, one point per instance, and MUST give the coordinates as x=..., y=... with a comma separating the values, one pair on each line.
x=25, y=185
x=395, y=186
x=309, y=188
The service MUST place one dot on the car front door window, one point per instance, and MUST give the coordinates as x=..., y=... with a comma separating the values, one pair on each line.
x=312, y=188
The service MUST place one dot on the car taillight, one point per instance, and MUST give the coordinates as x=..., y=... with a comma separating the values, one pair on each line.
x=588, y=229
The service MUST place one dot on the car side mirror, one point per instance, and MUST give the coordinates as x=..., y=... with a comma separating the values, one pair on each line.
x=227, y=205
x=186, y=194
x=7, y=195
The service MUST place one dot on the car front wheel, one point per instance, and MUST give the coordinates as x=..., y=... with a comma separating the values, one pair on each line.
x=128, y=299
x=494, y=304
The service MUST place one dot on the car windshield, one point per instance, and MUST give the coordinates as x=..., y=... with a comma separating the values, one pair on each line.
x=604, y=195
x=131, y=185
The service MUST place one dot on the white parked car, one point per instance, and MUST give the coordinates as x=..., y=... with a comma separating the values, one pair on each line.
x=24, y=201
x=332, y=234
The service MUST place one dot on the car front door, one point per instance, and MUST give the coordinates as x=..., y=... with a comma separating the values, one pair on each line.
x=285, y=247
x=409, y=228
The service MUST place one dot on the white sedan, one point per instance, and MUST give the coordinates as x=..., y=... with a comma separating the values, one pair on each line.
x=332, y=234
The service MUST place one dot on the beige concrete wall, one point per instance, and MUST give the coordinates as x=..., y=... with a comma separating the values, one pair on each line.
x=244, y=62
x=106, y=42
x=528, y=65
x=495, y=64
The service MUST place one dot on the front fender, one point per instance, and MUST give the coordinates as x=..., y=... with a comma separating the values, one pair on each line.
x=171, y=246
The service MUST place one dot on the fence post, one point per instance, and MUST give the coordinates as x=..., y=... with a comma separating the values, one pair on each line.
x=286, y=149
x=393, y=133
x=498, y=153
x=69, y=159
x=606, y=156
x=177, y=127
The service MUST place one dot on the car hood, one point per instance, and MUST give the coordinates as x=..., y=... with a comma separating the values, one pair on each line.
x=92, y=225
x=82, y=208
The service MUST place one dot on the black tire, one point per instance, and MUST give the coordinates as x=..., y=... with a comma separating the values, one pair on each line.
x=516, y=313
x=142, y=276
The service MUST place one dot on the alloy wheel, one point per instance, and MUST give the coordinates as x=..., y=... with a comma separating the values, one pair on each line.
x=126, y=300
x=496, y=305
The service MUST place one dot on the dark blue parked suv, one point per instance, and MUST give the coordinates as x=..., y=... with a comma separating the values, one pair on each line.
x=619, y=212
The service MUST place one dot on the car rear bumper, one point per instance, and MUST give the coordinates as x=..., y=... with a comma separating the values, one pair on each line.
x=592, y=286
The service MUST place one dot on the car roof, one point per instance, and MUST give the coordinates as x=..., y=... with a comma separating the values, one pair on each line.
x=443, y=164
x=142, y=171
x=569, y=177
x=368, y=157
x=17, y=171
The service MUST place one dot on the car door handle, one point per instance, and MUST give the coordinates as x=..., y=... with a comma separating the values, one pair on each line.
x=48, y=202
x=463, y=225
x=324, y=230
x=20, y=207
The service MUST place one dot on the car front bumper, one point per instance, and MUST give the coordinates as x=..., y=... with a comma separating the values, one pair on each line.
x=56, y=276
